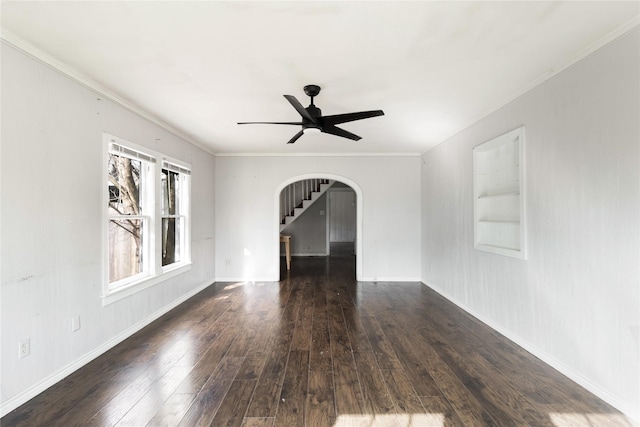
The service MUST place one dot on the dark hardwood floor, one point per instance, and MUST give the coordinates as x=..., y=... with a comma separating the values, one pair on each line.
x=316, y=349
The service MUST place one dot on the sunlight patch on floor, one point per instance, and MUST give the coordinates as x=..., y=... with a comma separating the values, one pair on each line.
x=382, y=420
x=235, y=285
x=588, y=420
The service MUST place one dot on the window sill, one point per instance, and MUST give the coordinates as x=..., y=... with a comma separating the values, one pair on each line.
x=142, y=284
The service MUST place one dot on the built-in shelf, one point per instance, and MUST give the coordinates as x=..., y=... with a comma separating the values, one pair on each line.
x=498, y=179
x=491, y=248
x=498, y=221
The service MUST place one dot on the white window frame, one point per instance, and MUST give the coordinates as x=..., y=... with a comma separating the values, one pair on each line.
x=153, y=271
x=185, y=212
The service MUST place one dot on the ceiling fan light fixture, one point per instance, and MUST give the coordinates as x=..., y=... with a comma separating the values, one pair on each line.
x=311, y=129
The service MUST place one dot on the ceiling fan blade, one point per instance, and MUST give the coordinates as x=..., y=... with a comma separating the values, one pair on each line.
x=270, y=123
x=300, y=109
x=333, y=130
x=295, y=137
x=350, y=117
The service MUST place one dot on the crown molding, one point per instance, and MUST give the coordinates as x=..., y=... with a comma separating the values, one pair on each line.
x=572, y=60
x=416, y=154
x=608, y=38
x=48, y=60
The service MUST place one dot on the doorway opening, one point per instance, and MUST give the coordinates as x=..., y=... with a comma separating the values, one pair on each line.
x=341, y=207
x=327, y=223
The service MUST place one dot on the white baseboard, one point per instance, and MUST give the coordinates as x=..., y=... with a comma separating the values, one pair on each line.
x=389, y=279
x=633, y=414
x=28, y=394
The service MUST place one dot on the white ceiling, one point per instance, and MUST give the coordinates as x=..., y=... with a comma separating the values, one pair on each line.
x=200, y=67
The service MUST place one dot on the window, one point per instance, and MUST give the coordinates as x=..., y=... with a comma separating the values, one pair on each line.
x=175, y=182
x=130, y=179
x=147, y=230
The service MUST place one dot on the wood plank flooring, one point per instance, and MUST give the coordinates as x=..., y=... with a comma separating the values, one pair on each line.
x=316, y=349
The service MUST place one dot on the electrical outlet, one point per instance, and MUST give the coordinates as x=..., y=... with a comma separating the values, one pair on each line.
x=75, y=323
x=227, y=262
x=24, y=348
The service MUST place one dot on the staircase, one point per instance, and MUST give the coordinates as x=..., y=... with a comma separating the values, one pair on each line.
x=297, y=197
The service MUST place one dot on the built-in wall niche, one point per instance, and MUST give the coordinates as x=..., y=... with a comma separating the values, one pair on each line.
x=498, y=195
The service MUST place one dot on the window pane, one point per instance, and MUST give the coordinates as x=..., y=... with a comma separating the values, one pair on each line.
x=125, y=253
x=170, y=192
x=124, y=185
x=171, y=238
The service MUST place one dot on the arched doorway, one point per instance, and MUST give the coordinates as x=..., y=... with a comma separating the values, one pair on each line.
x=358, y=214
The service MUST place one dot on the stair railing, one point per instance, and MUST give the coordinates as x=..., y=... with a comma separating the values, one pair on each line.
x=294, y=194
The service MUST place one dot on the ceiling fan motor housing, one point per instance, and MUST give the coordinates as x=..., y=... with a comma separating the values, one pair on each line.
x=316, y=113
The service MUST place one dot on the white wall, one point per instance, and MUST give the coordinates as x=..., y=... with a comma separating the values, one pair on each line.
x=52, y=219
x=309, y=231
x=576, y=300
x=246, y=212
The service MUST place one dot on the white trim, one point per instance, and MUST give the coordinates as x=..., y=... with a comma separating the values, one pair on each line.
x=116, y=294
x=318, y=154
x=115, y=143
x=615, y=401
x=173, y=167
x=185, y=214
x=28, y=394
x=321, y=175
x=390, y=279
x=611, y=37
x=589, y=50
x=175, y=162
x=327, y=225
x=55, y=64
x=125, y=151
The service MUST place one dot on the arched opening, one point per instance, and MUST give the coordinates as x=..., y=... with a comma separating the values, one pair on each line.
x=344, y=186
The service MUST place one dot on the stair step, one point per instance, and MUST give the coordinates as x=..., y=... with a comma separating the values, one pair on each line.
x=314, y=196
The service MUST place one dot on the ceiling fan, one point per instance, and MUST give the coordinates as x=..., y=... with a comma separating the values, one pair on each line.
x=314, y=121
